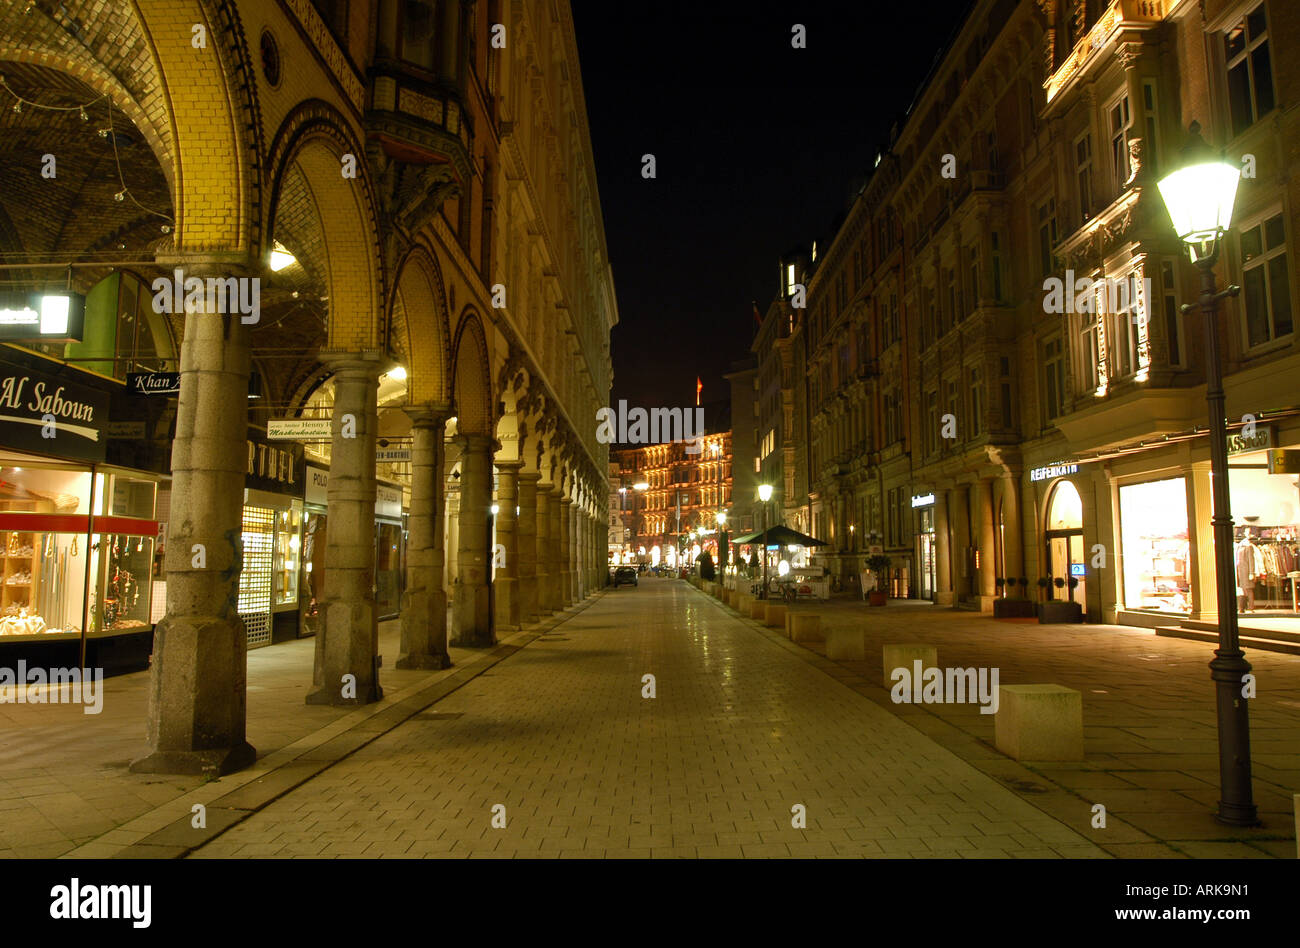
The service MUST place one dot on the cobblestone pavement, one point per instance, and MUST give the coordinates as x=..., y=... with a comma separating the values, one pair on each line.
x=1150, y=731
x=741, y=732
x=64, y=782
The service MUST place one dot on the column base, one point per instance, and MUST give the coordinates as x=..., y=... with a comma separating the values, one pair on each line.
x=943, y=599
x=424, y=662
x=334, y=697
x=197, y=763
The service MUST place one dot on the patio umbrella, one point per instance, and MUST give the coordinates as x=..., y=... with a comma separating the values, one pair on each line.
x=779, y=535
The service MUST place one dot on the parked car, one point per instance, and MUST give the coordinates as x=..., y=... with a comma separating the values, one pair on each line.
x=624, y=575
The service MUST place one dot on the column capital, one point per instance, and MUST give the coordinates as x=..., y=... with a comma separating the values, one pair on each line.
x=566, y=500
x=428, y=416
x=369, y=363
x=514, y=467
x=529, y=477
x=474, y=442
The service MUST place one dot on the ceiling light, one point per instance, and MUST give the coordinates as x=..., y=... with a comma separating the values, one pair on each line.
x=397, y=374
x=281, y=258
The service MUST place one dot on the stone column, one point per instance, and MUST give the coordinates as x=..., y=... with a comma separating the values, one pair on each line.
x=1012, y=546
x=568, y=548
x=348, y=644
x=959, y=517
x=600, y=549
x=470, y=619
x=451, y=545
x=545, y=594
x=506, y=582
x=424, y=603
x=556, y=533
x=197, y=683
x=987, y=544
x=579, y=589
x=942, y=553
x=527, y=544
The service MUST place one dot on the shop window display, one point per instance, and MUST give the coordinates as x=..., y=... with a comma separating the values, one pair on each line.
x=1266, y=551
x=1153, y=518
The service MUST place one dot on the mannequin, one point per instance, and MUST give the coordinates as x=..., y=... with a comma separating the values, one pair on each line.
x=1247, y=567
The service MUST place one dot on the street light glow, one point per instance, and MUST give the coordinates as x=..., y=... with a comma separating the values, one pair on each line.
x=765, y=492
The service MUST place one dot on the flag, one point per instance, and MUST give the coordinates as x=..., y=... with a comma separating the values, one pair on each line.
x=699, y=387
x=757, y=316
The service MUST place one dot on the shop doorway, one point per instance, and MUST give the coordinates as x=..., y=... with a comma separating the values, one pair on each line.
x=1064, y=540
x=925, y=553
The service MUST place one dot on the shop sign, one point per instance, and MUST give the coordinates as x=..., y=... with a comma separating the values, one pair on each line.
x=1054, y=470
x=1284, y=462
x=392, y=454
x=1078, y=569
x=1260, y=440
x=153, y=383
x=42, y=317
x=922, y=500
x=46, y=415
x=318, y=482
x=274, y=468
x=299, y=429
x=388, y=501
x=125, y=430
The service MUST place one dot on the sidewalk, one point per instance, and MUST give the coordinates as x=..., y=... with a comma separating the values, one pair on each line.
x=64, y=784
x=1150, y=732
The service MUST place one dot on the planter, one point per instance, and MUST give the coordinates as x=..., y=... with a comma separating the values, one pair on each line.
x=876, y=598
x=1014, y=609
x=1059, y=611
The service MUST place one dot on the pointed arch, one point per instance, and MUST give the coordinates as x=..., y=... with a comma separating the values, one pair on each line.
x=472, y=378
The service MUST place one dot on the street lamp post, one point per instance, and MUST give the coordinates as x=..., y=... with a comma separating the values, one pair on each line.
x=723, y=550
x=764, y=494
x=1199, y=195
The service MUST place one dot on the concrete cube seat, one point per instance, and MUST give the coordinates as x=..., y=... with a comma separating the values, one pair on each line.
x=1039, y=722
x=757, y=609
x=805, y=627
x=846, y=645
x=904, y=656
x=774, y=615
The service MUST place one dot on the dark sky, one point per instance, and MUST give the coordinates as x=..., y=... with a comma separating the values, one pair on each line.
x=757, y=145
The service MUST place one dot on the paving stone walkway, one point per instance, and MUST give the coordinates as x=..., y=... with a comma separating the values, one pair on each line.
x=559, y=742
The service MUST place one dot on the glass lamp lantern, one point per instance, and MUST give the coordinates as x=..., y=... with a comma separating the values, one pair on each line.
x=1199, y=196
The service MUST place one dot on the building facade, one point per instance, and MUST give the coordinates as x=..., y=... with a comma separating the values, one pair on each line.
x=400, y=199
x=989, y=414
x=672, y=497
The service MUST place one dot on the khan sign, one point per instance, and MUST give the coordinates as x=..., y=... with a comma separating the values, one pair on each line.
x=153, y=383
x=46, y=415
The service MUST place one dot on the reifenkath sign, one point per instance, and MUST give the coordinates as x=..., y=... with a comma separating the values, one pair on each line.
x=1053, y=470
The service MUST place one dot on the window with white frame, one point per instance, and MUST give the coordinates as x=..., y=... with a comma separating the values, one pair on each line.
x=1118, y=119
x=1083, y=174
x=1249, y=65
x=1173, y=318
x=1046, y=236
x=1053, y=380
x=1151, y=145
x=976, y=403
x=1265, y=281
x=1090, y=351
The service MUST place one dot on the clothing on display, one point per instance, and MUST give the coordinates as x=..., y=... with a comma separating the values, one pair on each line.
x=1267, y=567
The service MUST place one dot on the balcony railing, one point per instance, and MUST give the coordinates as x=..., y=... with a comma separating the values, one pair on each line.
x=1120, y=15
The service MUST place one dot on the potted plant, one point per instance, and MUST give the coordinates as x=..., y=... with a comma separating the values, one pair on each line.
x=1001, y=583
x=1011, y=606
x=707, y=572
x=1044, y=584
x=879, y=564
x=1060, y=610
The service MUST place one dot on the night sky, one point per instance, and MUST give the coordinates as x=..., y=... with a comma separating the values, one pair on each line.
x=757, y=145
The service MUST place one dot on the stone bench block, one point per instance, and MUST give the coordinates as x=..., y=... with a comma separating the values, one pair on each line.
x=903, y=656
x=805, y=627
x=774, y=615
x=1039, y=722
x=742, y=602
x=848, y=645
x=757, y=609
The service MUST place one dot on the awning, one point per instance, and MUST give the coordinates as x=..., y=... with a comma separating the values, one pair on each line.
x=778, y=535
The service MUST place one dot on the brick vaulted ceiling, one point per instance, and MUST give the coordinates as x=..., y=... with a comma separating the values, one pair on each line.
x=75, y=217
